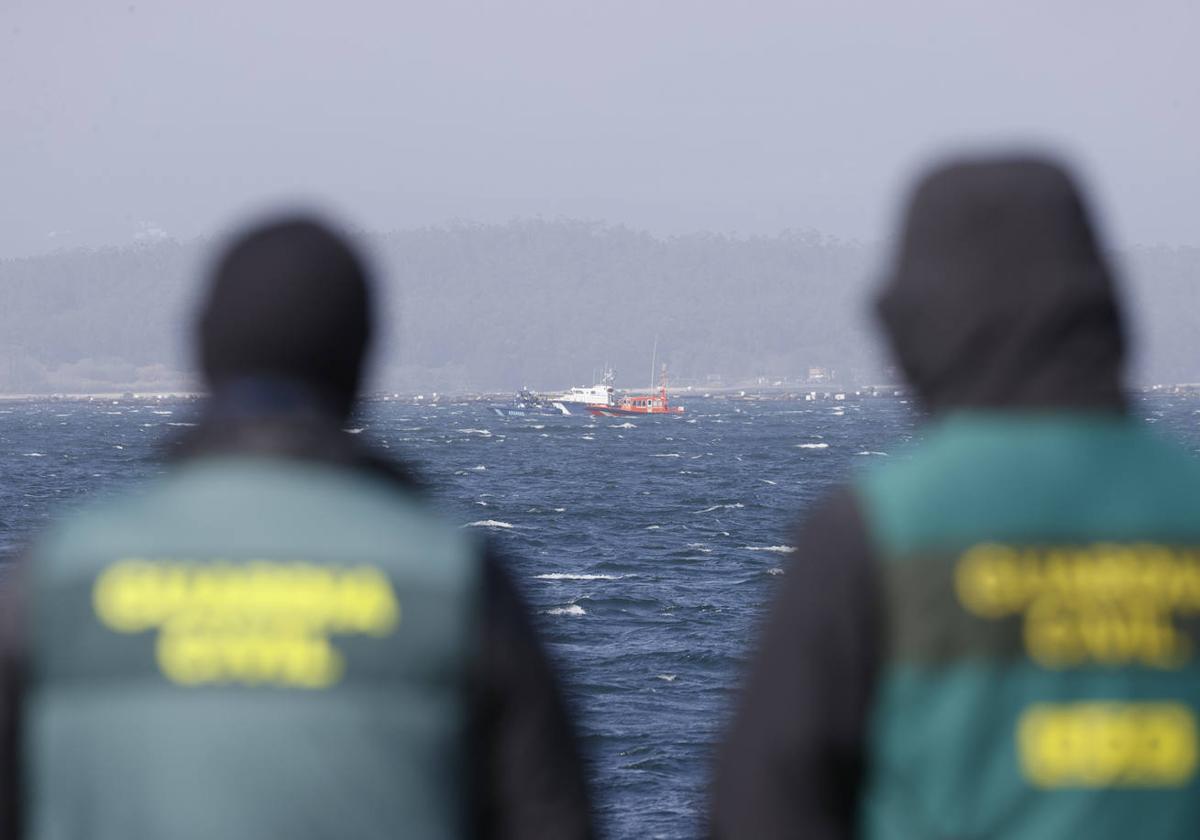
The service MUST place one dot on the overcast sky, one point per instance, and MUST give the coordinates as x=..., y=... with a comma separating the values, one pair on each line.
x=143, y=119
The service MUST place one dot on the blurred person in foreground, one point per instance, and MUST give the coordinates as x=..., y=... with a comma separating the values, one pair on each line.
x=997, y=636
x=278, y=639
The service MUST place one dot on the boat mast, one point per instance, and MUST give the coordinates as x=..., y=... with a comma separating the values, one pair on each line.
x=653, y=362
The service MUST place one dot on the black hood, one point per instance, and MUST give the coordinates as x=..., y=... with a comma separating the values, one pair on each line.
x=999, y=296
x=289, y=302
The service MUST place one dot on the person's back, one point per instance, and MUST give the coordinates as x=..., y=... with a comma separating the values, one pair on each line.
x=994, y=637
x=277, y=638
x=1038, y=681
x=256, y=648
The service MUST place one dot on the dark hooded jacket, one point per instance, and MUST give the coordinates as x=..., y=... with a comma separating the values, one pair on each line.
x=893, y=693
x=282, y=338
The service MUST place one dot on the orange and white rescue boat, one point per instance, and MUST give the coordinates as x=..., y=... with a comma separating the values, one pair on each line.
x=636, y=405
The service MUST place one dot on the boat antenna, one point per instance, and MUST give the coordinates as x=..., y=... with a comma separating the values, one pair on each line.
x=653, y=362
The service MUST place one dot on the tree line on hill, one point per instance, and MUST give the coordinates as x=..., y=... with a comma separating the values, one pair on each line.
x=543, y=304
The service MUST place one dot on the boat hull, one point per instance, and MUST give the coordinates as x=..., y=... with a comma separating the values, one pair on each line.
x=617, y=411
x=531, y=411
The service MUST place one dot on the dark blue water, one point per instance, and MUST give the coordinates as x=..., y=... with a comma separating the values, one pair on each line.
x=647, y=547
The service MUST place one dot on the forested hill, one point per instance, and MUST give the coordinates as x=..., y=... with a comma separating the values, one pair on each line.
x=544, y=304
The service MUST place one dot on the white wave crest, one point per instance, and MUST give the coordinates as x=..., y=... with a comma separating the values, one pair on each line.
x=775, y=549
x=868, y=452
x=490, y=523
x=623, y=426
x=812, y=445
x=571, y=609
x=574, y=576
x=733, y=506
x=480, y=432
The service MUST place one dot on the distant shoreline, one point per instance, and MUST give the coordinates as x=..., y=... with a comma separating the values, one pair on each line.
x=799, y=390
x=92, y=396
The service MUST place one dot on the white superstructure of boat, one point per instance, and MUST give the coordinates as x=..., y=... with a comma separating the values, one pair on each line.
x=601, y=394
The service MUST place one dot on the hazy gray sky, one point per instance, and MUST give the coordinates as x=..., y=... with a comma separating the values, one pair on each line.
x=126, y=119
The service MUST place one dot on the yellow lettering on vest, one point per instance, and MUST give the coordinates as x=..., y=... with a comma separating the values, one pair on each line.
x=987, y=580
x=1108, y=744
x=1051, y=636
x=1106, y=603
x=261, y=623
x=123, y=597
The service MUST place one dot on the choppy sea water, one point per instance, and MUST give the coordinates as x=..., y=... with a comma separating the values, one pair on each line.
x=647, y=547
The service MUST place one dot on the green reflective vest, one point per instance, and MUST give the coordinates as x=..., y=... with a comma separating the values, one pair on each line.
x=1042, y=591
x=250, y=648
